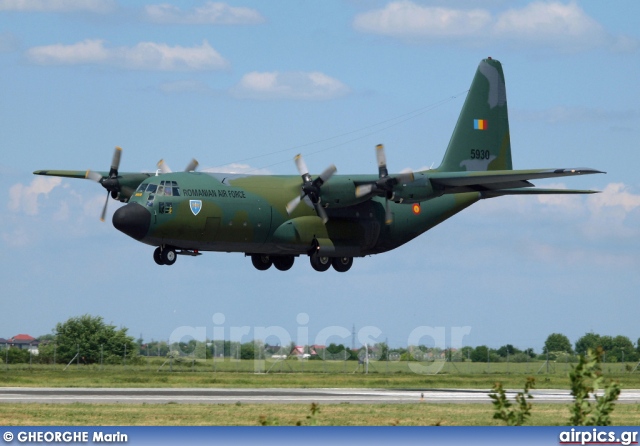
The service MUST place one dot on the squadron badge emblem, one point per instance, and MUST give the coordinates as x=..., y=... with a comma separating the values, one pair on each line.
x=196, y=206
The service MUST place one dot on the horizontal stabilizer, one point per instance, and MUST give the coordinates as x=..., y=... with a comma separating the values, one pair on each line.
x=534, y=191
x=456, y=182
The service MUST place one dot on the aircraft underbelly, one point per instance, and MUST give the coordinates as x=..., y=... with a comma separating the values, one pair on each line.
x=409, y=220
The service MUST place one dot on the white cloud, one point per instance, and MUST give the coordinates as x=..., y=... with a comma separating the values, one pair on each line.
x=573, y=204
x=98, y=6
x=25, y=198
x=289, y=85
x=613, y=213
x=143, y=56
x=407, y=19
x=563, y=27
x=237, y=168
x=18, y=238
x=614, y=195
x=211, y=13
x=551, y=24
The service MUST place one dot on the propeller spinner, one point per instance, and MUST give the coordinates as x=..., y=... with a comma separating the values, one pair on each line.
x=311, y=188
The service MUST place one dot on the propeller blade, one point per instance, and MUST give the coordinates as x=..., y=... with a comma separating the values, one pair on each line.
x=364, y=189
x=382, y=161
x=328, y=173
x=300, y=164
x=311, y=188
x=321, y=212
x=115, y=162
x=104, y=208
x=388, y=216
x=193, y=165
x=293, y=204
x=164, y=167
x=93, y=176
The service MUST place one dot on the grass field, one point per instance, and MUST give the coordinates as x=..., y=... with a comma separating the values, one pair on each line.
x=302, y=374
x=307, y=374
x=285, y=414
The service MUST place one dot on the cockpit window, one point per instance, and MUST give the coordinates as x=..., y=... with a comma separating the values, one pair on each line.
x=176, y=189
x=151, y=188
x=141, y=188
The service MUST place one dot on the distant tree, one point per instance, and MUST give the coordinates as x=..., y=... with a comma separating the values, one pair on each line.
x=480, y=353
x=247, y=350
x=622, y=349
x=15, y=355
x=382, y=350
x=507, y=350
x=46, y=338
x=87, y=334
x=154, y=348
x=557, y=342
x=465, y=352
x=590, y=341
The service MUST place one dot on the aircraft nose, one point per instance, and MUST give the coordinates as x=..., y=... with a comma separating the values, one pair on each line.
x=133, y=220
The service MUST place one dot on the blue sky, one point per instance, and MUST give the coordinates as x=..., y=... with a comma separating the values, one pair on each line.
x=245, y=85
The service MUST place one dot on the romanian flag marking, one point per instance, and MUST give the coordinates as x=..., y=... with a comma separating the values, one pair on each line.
x=416, y=208
x=480, y=124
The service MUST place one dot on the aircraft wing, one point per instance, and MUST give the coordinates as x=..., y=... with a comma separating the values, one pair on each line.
x=506, y=181
x=126, y=182
x=68, y=173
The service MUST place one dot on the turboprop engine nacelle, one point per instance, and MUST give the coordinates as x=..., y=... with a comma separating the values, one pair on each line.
x=341, y=192
x=414, y=192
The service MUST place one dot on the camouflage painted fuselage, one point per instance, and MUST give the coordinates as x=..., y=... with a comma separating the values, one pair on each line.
x=235, y=213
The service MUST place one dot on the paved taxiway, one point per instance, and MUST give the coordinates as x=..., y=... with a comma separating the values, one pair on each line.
x=271, y=396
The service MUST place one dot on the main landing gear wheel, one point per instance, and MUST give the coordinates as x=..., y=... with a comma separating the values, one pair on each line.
x=283, y=263
x=168, y=256
x=320, y=263
x=342, y=264
x=157, y=256
x=261, y=262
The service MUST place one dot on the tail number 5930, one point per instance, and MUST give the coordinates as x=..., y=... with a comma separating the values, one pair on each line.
x=478, y=154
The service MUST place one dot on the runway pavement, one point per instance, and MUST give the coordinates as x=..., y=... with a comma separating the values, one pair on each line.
x=272, y=396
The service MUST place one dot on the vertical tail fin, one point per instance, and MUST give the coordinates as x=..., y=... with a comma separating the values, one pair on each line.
x=480, y=140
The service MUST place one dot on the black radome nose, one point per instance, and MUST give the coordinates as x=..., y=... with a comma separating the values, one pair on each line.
x=133, y=220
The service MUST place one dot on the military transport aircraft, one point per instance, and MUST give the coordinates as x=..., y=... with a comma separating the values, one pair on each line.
x=330, y=218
